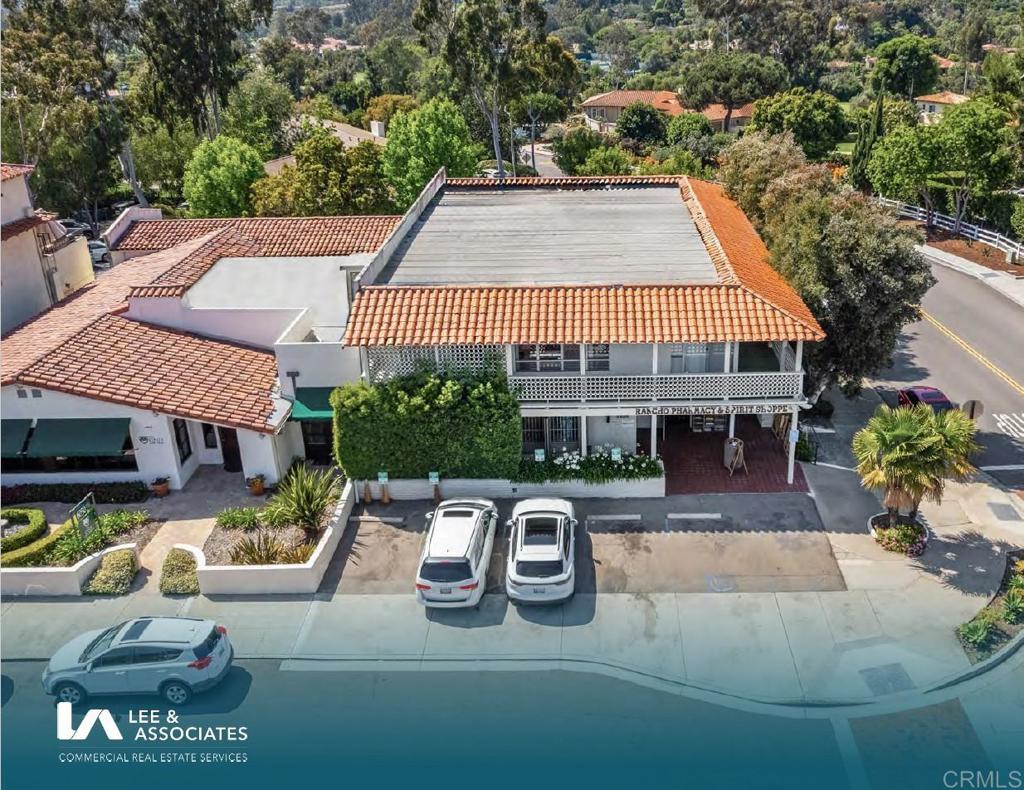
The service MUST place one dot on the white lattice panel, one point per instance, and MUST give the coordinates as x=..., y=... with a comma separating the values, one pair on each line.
x=692, y=386
x=387, y=362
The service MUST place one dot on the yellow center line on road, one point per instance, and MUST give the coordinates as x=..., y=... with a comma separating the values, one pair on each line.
x=972, y=351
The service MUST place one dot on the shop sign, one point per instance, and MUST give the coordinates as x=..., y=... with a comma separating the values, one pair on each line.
x=729, y=408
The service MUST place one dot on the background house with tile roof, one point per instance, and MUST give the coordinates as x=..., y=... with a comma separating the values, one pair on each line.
x=627, y=311
x=40, y=263
x=603, y=110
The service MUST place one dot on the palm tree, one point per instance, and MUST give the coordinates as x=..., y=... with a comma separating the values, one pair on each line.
x=909, y=453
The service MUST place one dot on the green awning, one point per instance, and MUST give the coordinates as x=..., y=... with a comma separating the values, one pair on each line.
x=312, y=403
x=74, y=438
x=12, y=437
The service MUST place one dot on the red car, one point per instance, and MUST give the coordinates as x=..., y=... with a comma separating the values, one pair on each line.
x=929, y=396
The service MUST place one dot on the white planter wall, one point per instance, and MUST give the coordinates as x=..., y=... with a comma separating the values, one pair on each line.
x=506, y=489
x=55, y=581
x=277, y=579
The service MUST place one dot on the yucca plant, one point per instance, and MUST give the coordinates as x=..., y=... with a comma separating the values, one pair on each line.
x=978, y=631
x=297, y=554
x=304, y=498
x=908, y=454
x=1013, y=606
x=260, y=549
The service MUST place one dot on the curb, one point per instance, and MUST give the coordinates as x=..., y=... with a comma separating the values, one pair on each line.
x=973, y=270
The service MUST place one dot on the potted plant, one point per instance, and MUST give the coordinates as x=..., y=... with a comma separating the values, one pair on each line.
x=161, y=486
x=255, y=483
x=908, y=454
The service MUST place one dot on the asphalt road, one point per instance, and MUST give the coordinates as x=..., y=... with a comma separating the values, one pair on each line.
x=970, y=345
x=496, y=729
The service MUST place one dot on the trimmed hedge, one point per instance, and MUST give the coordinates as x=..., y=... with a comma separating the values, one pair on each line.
x=460, y=426
x=178, y=575
x=35, y=553
x=106, y=493
x=114, y=575
x=36, y=521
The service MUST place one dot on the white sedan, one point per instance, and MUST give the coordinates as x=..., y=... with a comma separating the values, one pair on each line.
x=541, y=551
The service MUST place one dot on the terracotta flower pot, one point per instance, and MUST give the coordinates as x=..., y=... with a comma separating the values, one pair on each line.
x=256, y=487
x=161, y=488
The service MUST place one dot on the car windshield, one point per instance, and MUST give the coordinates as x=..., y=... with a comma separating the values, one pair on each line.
x=455, y=571
x=100, y=643
x=538, y=569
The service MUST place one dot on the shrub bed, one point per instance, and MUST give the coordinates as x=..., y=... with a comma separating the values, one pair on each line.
x=1002, y=619
x=907, y=537
x=178, y=576
x=466, y=426
x=598, y=467
x=114, y=575
x=105, y=493
x=66, y=545
x=35, y=526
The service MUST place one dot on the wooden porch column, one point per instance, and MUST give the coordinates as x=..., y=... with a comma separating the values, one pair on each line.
x=799, y=360
x=583, y=434
x=792, y=446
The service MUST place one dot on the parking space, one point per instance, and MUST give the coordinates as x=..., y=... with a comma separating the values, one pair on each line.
x=679, y=544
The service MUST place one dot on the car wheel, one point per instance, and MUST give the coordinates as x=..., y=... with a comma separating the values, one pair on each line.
x=70, y=692
x=176, y=692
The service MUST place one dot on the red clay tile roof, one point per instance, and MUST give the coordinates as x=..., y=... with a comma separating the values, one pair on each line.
x=460, y=315
x=144, y=366
x=666, y=101
x=943, y=97
x=18, y=226
x=751, y=303
x=42, y=334
x=716, y=112
x=12, y=171
x=284, y=236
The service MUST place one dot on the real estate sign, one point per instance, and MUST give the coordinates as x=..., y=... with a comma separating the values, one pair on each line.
x=83, y=515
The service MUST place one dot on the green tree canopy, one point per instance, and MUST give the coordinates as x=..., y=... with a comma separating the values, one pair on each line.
x=905, y=66
x=641, y=122
x=750, y=164
x=857, y=270
x=388, y=105
x=902, y=164
x=612, y=161
x=731, y=79
x=161, y=156
x=816, y=120
x=680, y=162
x=258, y=108
x=688, y=125
x=308, y=25
x=422, y=142
x=218, y=177
x=573, y=148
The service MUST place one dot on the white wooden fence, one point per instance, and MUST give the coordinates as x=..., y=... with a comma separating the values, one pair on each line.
x=1013, y=249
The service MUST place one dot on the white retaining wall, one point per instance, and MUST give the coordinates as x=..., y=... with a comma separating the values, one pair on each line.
x=56, y=581
x=277, y=579
x=507, y=489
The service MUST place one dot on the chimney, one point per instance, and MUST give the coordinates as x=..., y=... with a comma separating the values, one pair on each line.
x=377, y=128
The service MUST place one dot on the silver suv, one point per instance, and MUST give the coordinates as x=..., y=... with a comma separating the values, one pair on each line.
x=170, y=656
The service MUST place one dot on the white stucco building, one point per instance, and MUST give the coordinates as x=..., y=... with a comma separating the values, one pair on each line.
x=39, y=263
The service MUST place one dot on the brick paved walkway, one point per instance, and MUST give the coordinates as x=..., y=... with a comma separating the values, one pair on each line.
x=693, y=462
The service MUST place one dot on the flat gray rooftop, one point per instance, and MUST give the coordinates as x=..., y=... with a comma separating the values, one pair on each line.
x=640, y=235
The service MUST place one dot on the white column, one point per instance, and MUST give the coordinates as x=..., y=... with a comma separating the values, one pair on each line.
x=728, y=358
x=583, y=434
x=654, y=359
x=364, y=364
x=792, y=446
x=799, y=361
x=732, y=425
x=736, y=357
x=509, y=366
x=654, y=435
x=782, y=356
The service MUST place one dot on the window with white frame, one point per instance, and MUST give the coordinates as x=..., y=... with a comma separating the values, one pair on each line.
x=547, y=358
x=598, y=357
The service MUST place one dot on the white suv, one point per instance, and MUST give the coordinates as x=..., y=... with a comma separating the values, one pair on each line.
x=453, y=567
x=541, y=551
x=169, y=656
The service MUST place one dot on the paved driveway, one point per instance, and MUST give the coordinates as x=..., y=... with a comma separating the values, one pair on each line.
x=713, y=543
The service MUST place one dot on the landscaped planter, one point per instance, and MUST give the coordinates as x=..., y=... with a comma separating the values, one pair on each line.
x=277, y=579
x=647, y=488
x=915, y=552
x=55, y=581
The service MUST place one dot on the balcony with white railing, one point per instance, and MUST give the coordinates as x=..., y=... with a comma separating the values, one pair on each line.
x=757, y=386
